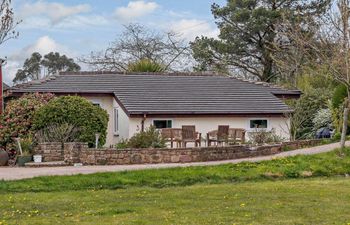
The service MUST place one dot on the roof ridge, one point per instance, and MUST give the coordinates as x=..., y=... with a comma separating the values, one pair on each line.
x=141, y=73
x=264, y=83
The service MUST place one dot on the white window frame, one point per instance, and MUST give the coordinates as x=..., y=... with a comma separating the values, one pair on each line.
x=172, y=121
x=253, y=129
x=116, y=120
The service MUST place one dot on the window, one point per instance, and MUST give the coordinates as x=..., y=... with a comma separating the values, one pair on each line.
x=116, y=120
x=258, y=124
x=160, y=124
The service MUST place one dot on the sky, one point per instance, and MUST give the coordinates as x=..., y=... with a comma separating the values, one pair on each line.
x=76, y=27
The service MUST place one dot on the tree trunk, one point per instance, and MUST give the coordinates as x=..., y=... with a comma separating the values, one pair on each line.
x=345, y=125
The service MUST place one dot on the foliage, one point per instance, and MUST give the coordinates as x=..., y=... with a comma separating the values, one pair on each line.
x=7, y=23
x=60, y=132
x=150, y=138
x=37, y=67
x=18, y=116
x=122, y=144
x=262, y=136
x=252, y=35
x=336, y=136
x=145, y=65
x=138, y=42
x=76, y=111
x=339, y=96
x=320, y=165
x=27, y=145
x=323, y=118
x=305, y=109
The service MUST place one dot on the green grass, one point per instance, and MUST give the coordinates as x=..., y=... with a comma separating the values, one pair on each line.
x=322, y=165
x=311, y=201
x=246, y=193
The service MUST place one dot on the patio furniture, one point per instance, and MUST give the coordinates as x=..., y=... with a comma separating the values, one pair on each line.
x=189, y=134
x=236, y=135
x=172, y=135
x=219, y=136
x=226, y=135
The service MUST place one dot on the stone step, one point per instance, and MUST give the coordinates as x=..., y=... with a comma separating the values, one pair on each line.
x=46, y=164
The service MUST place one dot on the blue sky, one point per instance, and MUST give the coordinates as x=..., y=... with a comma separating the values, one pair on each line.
x=78, y=27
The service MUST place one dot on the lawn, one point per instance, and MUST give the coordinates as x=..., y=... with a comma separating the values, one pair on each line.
x=312, y=189
x=312, y=201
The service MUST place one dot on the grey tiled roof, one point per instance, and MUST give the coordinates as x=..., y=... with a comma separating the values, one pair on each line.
x=170, y=94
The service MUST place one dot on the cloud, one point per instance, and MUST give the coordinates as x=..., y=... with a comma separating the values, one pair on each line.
x=135, y=9
x=55, y=12
x=43, y=45
x=191, y=28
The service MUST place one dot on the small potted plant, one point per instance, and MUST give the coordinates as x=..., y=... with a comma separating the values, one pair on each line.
x=25, y=147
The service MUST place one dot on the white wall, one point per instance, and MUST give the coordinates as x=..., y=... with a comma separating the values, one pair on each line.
x=206, y=124
x=108, y=103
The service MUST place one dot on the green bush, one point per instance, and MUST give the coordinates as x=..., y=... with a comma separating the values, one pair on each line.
x=76, y=111
x=150, y=138
x=336, y=137
x=146, y=65
x=17, y=118
x=340, y=93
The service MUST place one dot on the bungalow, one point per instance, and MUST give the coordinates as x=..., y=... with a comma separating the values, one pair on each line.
x=136, y=101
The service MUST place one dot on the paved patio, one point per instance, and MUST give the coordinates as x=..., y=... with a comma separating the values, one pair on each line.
x=17, y=173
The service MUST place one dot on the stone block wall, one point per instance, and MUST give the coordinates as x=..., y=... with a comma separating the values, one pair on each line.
x=152, y=156
x=52, y=151
x=73, y=153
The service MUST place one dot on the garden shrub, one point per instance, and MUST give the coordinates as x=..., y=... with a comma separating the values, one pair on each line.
x=17, y=118
x=340, y=93
x=150, y=138
x=323, y=118
x=78, y=112
x=62, y=132
x=262, y=136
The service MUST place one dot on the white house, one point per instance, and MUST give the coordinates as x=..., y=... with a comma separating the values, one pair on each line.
x=136, y=101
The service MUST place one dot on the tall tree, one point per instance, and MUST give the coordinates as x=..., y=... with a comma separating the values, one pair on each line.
x=139, y=43
x=251, y=34
x=37, y=67
x=332, y=50
x=7, y=22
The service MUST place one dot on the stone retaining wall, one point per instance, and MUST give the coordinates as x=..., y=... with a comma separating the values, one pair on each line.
x=52, y=151
x=80, y=153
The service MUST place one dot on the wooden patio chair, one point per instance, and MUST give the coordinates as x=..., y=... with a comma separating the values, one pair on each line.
x=172, y=135
x=236, y=135
x=222, y=136
x=189, y=134
x=212, y=137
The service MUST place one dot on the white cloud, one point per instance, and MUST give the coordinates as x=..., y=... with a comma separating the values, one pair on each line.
x=135, y=9
x=55, y=12
x=191, y=28
x=43, y=45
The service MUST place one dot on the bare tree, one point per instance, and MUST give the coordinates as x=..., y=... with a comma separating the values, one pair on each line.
x=7, y=23
x=139, y=43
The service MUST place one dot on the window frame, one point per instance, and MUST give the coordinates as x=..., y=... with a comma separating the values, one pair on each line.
x=116, y=120
x=267, y=124
x=172, y=122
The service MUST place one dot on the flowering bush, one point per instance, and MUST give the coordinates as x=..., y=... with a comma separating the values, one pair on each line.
x=323, y=118
x=17, y=118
